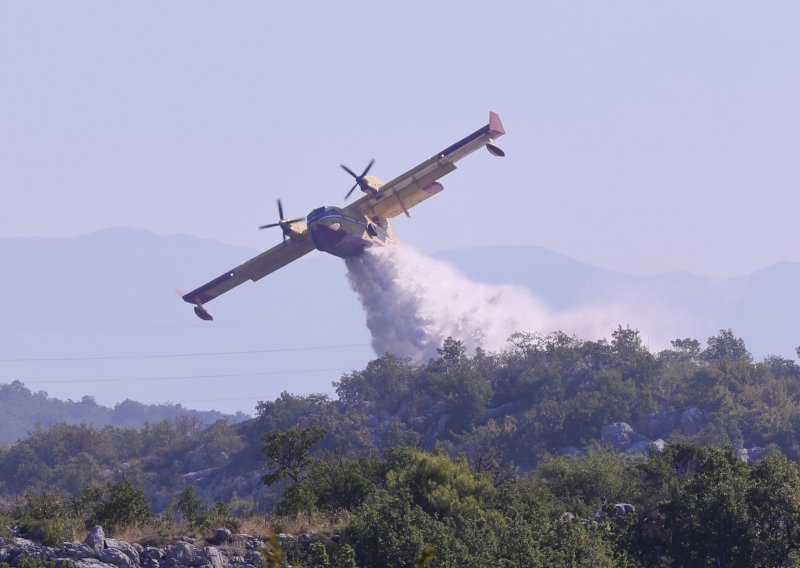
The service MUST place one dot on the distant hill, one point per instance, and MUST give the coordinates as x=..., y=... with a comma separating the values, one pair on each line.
x=97, y=315
x=23, y=411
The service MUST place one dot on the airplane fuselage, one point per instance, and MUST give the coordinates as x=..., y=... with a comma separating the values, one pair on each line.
x=341, y=234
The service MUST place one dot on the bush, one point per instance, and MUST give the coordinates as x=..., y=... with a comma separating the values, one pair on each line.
x=123, y=506
x=53, y=532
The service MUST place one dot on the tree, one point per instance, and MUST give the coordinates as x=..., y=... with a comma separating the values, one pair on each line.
x=726, y=347
x=687, y=349
x=385, y=381
x=442, y=486
x=192, y=510
x=773, y=499
x=585, y=483
x=288, y=452
x=706, y=516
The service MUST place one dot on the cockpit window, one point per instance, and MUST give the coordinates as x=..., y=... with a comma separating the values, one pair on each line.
x=321, y=212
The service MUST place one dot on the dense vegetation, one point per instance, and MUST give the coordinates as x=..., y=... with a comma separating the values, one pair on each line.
x=466, y=455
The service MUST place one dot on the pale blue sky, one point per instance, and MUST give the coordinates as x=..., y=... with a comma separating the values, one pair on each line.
x=643, y=137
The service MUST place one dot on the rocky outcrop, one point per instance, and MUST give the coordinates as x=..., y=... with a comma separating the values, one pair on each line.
x=96, y=551
x=661, y=424
x=692, y=420
x=621, y=436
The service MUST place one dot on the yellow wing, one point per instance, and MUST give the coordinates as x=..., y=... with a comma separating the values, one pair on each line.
x=419, y=183
x=253, y=269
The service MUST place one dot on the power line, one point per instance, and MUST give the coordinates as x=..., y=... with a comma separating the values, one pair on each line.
x=180, y=355
x=180, y=378
x=176, y=326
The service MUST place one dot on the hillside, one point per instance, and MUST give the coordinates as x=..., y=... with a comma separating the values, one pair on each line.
x=550, y=394
x=555, y=448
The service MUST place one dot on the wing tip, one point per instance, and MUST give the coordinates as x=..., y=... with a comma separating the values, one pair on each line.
x=495, y=124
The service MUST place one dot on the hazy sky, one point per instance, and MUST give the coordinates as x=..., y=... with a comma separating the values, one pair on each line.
x=643, y=137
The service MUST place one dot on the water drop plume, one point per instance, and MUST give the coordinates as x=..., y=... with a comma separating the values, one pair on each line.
x=413, y=302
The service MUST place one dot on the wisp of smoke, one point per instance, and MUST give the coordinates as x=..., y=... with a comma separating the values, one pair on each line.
x=413, y=303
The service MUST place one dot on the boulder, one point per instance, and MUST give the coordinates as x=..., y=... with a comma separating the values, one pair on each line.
x=183, y=553
x=130, y=550
x=151, y=553
x=214, y=557
x=116, y=557
x=91, y=563
x=620, y=436
x=75, y=551
x=96, y=539
x=6, y=554
x=692, y=420
x=658, y=446
x=646, y=447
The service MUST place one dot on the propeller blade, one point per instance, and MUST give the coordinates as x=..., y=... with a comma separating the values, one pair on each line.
x=352, y=189
x=280, y=210
x=296, y=220
x=369, y=166
x=270, y=226
x=349, y=171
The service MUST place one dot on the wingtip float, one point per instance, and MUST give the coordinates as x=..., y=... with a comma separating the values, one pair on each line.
x=347, y=231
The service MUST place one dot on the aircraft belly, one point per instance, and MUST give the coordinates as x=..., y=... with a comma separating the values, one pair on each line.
x=341, y=243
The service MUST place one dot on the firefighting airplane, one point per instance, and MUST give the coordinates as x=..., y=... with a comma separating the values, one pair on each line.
x=346, y=231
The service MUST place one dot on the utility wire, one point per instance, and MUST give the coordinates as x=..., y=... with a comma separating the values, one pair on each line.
x=179, y=355
x=176, y=326
x=180, y=378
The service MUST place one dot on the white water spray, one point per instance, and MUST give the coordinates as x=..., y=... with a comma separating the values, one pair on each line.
x=413, y=303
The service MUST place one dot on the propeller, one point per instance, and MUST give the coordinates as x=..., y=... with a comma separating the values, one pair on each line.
x=284, y=224
x=360, y=181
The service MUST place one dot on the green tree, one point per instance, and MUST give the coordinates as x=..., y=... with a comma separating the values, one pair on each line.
x=586, y=483
x=190, y=508
x=725, y=346
x=288, y=452
x=773, y=498
x=706, y=519
x=442, y=486
x=389, y=530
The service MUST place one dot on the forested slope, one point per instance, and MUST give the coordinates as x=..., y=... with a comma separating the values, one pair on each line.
x=511, y=458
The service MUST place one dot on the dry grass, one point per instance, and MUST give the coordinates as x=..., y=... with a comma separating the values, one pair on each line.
x=260, y=526
x=134, y=534
x=157, y=535
x=314, y=522
x=256, y=526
